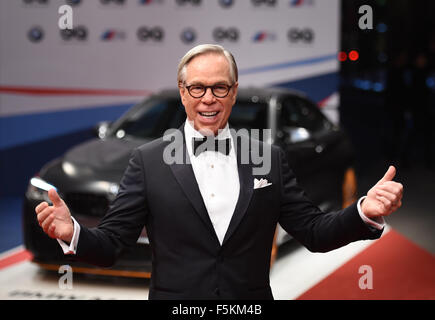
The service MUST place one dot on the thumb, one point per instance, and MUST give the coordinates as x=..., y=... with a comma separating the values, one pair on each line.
x=389, y=175
x=54, y=197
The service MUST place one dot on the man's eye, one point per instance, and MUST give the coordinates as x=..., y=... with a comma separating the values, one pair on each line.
x=220, y=88
x=197, y=88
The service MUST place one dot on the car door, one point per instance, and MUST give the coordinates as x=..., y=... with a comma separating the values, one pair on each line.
x=308, y=139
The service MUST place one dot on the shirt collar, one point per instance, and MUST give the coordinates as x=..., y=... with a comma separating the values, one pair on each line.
x=190, y=132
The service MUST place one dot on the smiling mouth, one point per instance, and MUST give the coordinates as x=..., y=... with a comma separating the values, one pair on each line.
x=209, y=114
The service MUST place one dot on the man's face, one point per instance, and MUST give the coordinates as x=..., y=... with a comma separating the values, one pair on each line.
x=208, y=113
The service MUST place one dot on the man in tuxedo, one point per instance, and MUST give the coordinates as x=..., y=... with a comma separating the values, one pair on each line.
x=210, y=221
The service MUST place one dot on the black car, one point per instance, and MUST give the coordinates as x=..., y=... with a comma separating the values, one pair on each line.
x=87, y=176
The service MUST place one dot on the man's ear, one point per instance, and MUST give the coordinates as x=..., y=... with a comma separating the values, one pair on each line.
x=235, y=89
x=182, y=91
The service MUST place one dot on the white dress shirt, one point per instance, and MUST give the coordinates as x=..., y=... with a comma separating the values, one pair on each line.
x=217, y=177
x=218, y=181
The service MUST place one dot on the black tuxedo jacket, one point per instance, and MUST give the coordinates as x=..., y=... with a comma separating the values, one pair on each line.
x=188, y=260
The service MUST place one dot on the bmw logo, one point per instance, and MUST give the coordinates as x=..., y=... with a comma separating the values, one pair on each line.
x=188, y=35
x=35, y=34
x=74, y=2
x=226, y=3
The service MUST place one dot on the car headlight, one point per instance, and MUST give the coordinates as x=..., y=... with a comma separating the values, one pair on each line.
x=38, y=189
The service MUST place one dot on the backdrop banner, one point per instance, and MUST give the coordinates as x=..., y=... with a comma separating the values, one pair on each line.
x=55, y=84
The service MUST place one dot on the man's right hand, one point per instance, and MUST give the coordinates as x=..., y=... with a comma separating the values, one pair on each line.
x=55, y=220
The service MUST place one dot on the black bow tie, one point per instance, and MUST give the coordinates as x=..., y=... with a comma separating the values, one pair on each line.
x=211, y=144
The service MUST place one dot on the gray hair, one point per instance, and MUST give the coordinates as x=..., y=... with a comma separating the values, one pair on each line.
x=202, y=49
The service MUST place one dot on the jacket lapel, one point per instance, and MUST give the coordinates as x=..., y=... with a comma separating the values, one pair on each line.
x=186, y=179
x=246, y=186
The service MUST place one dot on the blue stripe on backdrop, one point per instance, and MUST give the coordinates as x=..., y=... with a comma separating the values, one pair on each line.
x=316, y=88
x=24, y=129
x=11, y=234
x=290, y=64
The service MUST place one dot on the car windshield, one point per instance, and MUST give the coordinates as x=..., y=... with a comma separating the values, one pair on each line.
x=248, y=115
x=300, y=113
x=152, y=118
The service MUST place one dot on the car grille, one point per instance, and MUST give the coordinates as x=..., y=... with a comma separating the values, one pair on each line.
x=88, y=204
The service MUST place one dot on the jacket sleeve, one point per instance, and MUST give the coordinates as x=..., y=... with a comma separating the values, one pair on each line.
x=316, y=230
x=123, y=223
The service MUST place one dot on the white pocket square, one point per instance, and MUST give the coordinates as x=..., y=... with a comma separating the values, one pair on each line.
x=261, y=183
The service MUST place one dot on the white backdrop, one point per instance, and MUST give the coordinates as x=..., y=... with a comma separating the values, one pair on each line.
x=52, y=74
x=125, y=62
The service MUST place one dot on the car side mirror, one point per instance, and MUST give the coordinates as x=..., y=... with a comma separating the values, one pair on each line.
x=102, y=128
x=296, y=134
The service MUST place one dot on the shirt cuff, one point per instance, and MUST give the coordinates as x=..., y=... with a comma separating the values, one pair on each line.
x=378, y=223
x=72, y=247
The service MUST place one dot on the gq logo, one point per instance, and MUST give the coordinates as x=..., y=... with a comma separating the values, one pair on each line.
x=230, y=34
x=193, y=2
x=146, y=33
x=79, y=33
x=43, y=2
x=296, y=35
x=270, y=3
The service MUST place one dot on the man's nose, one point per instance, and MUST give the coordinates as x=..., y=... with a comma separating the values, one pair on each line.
x=208, y=96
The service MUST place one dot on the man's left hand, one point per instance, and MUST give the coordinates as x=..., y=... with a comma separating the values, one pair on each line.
x=384, y=197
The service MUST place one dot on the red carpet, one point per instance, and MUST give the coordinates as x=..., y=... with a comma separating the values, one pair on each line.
x=401, y=271
x=14, y=258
